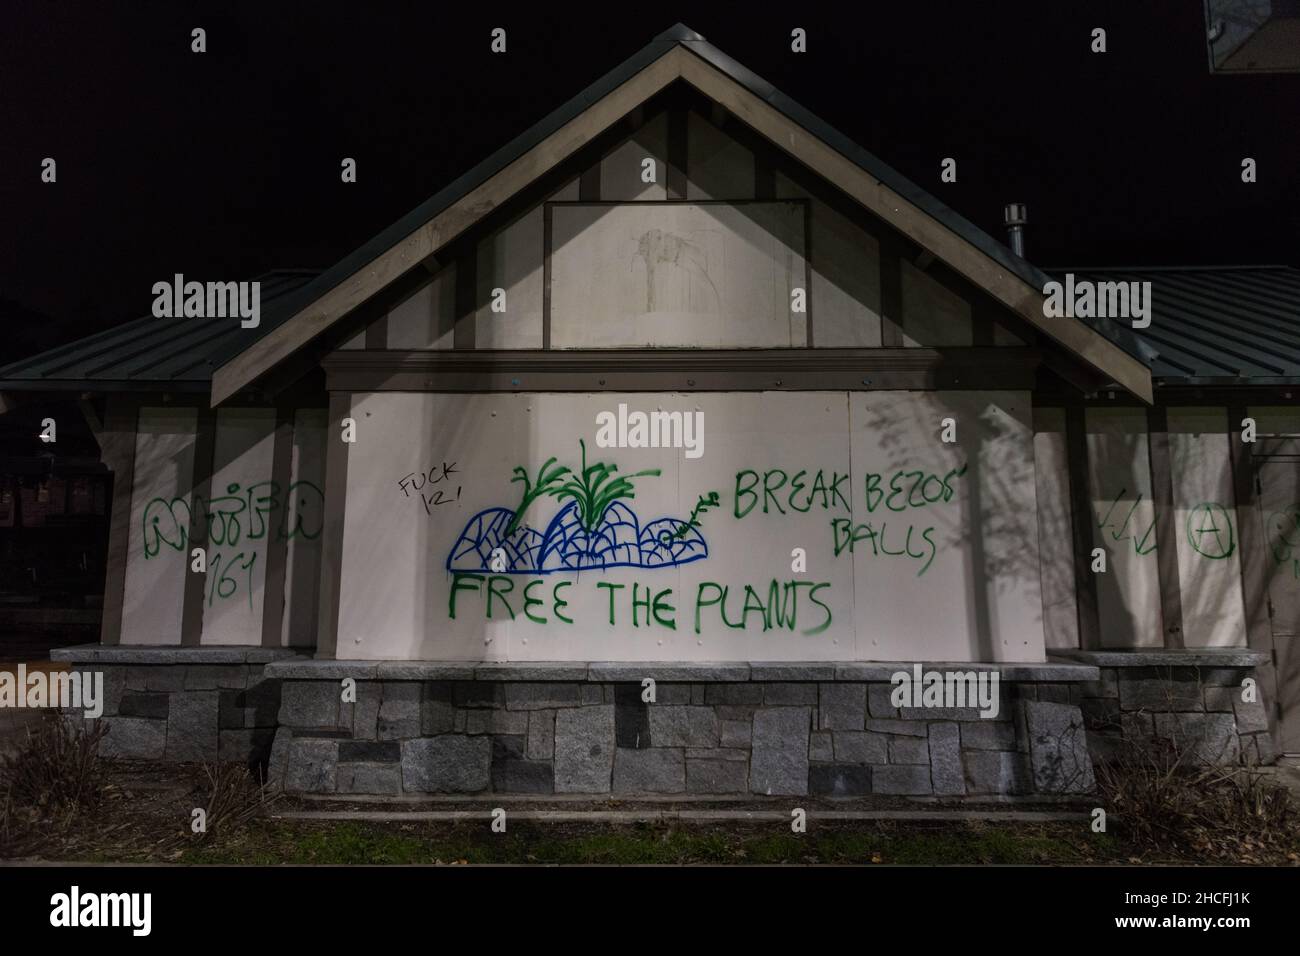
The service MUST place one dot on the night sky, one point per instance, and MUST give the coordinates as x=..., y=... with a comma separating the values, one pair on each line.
x=226, y=164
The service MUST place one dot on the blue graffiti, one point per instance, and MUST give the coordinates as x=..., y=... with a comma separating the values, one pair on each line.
x=618, y=541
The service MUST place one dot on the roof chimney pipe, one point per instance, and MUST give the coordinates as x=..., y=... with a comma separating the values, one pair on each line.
x=1015, y=215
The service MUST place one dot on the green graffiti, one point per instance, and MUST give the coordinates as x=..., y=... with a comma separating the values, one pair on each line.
x=547, y=484
x=704, y=503
x=1209, y=531
x=501, y=585
x=1284, y=533
x=593, y=489
x=235, y=516
x=1122, y=532
x=846, y=535
x=800, y=497
x=911, y=489
x=223, y=585
x=780, y=610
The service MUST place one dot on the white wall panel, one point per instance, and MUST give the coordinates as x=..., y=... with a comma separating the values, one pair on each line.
x=708, y=276
x=1119, y=481
x=242, y=521
x=1209, y=539
x=158, y=555
x=431, y=474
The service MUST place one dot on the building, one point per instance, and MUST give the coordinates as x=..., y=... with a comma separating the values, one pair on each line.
x=682, y=387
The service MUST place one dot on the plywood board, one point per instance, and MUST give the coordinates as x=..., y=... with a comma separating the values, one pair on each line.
x=707, y=276
x=302, y=522
x=765, y=572
x=1119, y=481
x=158, y=553
x=425, y=319
x=947, y=561
x=1056, y=552
x=242, y=519
x=1209, y=558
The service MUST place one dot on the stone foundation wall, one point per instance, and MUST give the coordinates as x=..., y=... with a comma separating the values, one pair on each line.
x=184, y=704
x=729, y=729
x=1192, y=700
x=786, y=737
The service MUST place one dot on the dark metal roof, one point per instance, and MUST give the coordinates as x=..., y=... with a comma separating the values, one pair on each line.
x=1217, y=325
x=149, y=353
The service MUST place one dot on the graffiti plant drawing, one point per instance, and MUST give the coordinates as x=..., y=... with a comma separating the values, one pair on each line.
x=595, y=529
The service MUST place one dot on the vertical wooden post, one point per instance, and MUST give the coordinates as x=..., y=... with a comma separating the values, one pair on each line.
x=1162, y=490
x=331, y=550
x=196, y=585
x=1081, y=525
x=117, y=448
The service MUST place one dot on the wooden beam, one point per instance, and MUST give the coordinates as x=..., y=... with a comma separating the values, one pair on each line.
x=589, y=184
x=277, y=545
x=691, y=370
x=117, y=449
x=675, y=180
x=1250, y=534
x=891, y=294
x=466, y=299
x=1162, y=491
x=377, y=333
x=331, y=547
x=1081, y=528
x=195, y=591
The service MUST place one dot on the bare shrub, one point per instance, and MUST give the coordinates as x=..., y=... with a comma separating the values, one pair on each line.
x=54, y=775
x=1167, y=799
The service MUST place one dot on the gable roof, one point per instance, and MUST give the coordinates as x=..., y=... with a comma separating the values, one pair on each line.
x=677, y=54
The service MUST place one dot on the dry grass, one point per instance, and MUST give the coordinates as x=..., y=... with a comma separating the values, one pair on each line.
x=53, y=778
x=1168, y=803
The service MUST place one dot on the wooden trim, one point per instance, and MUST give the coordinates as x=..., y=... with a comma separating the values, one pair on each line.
x=809, y=339
x=466, y=299
x=92, y=416
x=1250, y=534
x=548, y=225
x=331, y=549
x=1081, y=528
x=982, y=322
x=196, y=585
x=277, y=546
x=676, y=180
x=684, y=370
x=589, y=183
x=117, y=449
x=764, y=175
x=1162, y=491
x=377, y=333
x=891, y=295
